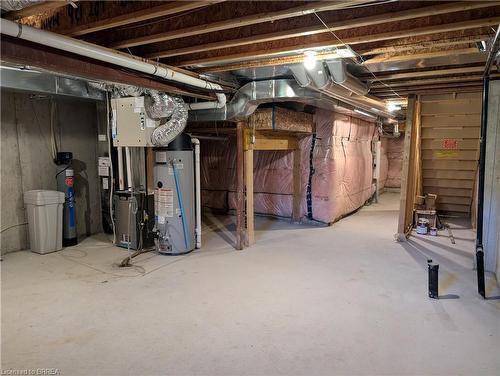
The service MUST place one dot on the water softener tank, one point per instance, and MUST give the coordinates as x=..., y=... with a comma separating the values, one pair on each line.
x=174, y=197
x=65, y=181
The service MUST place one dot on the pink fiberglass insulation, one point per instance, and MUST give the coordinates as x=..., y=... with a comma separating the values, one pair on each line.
x=273, y=173
x=341, y=183
x=384, y=163
x=395, y=159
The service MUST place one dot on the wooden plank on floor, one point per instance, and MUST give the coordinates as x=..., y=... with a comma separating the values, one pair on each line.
x=449, y=174
x=449, y=165
x=469, y=132
x=449, y=183
x=432, y=121
x=462, y=155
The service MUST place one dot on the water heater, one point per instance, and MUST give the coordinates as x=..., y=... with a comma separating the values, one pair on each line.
x=175, y=197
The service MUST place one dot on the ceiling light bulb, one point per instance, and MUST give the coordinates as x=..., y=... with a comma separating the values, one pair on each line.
x=393, y=107
x=309, y=59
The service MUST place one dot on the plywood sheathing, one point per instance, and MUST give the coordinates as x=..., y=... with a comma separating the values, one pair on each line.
x=450, y=148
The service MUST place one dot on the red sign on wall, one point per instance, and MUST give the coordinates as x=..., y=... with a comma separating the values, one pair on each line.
x=450, y=144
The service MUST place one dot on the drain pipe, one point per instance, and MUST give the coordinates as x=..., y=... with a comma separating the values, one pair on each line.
x=121, y=183
x=482, y=161
x=197, y=174
x=108, y=55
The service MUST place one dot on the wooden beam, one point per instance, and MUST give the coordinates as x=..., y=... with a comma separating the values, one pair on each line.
x=297, y=194
x=253, y=19
x=36, y=8
x=137, y=16
x=331, y=43
x=317, y=29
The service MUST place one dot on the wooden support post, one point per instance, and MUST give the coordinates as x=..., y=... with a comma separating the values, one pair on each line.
x=240, y=202
x=407, y=179
x=296, y=185
x=249, y=196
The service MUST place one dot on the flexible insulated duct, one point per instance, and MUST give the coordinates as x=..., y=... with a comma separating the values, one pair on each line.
x=165, y=133
x=108, y=55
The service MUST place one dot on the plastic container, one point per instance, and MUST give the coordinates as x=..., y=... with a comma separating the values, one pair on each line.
x=45, y=218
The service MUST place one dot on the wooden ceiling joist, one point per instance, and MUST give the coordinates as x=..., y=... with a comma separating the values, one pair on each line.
x=317, y=29
x=430, y=81
x=234, y=23
x=37, y=8
x=471, y=24
x=300, y=58
x=137, y=16
x=421, y=74
x=423, y=55
x=425, y=45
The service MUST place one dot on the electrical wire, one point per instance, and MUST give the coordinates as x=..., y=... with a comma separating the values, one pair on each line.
x=12, y=226
x=357, y=55
x=111, y=173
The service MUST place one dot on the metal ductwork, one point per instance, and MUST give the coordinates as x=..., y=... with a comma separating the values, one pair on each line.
x=339, y=84
x=340, y=75
x=23, y=79
x=250, y=96
x=11, y=5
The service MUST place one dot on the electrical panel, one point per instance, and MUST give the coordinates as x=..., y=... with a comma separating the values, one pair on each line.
x=131, y=125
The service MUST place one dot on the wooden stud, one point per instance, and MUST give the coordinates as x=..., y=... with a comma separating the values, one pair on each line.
x=250, y=239
x=296, y=186
x=240, y=197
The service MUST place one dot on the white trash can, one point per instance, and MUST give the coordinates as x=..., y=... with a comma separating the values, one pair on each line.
x=45, y=218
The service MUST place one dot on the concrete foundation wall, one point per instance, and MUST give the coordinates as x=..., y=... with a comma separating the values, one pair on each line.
x=491, y=214
x=26, y=160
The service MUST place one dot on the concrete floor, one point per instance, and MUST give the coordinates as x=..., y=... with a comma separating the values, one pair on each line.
x=340, y=300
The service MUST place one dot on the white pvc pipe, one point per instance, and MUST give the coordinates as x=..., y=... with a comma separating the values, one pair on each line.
x=121, y=183
x=129, y=168
x=108, y=55
x=196, y=143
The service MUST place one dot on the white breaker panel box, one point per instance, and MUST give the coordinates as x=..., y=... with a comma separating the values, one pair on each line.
x=131, y=125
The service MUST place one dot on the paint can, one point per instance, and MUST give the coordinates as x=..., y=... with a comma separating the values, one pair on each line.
x=433, y=231
x=423, y=226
